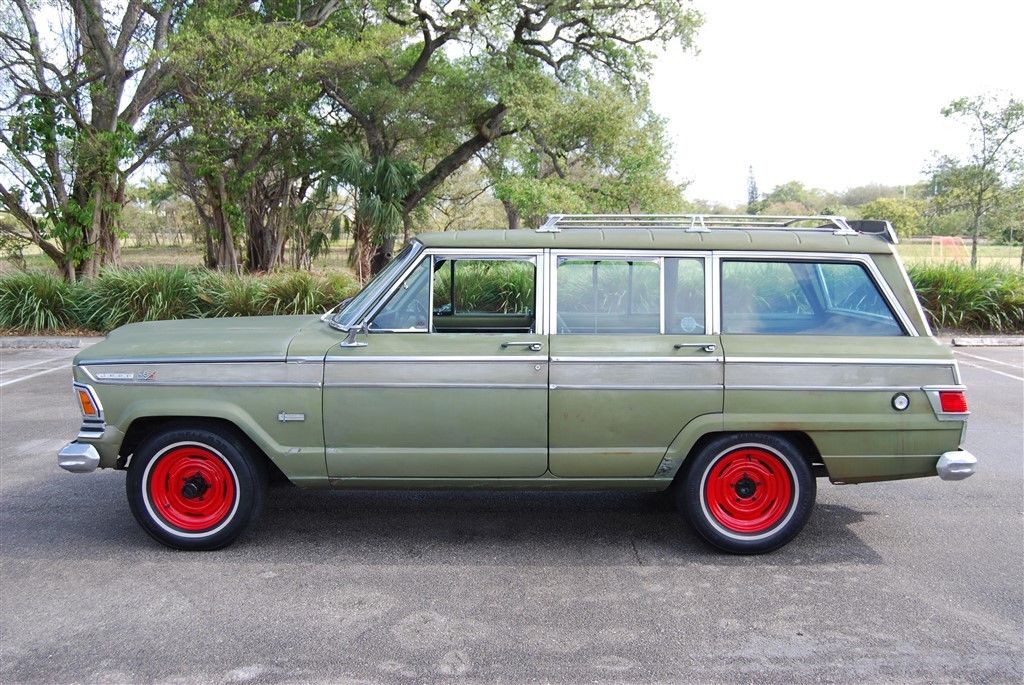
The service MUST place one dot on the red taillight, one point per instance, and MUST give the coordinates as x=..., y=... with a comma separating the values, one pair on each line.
x=953, y=401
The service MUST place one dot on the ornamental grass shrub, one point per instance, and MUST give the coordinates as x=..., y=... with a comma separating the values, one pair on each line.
x=956, y=296
x=36, y=301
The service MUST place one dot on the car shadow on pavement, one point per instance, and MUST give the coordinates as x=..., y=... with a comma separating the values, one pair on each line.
x=524, y=528
x=87, y=519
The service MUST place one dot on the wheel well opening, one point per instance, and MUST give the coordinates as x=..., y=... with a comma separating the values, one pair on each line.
x=808, y=450
x=142, y=428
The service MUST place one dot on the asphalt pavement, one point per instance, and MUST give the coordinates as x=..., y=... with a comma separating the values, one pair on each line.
x=910, y=581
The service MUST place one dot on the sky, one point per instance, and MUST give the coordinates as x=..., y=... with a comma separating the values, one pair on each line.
x=832, y=93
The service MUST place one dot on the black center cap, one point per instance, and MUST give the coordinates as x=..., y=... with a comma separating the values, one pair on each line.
x=745, y=487
x=195, y=487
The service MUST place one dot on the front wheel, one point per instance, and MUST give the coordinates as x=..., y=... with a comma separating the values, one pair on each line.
x=747, y=493
x=194, y=489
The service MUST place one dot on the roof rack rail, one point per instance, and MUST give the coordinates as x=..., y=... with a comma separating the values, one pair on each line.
x=703, y=223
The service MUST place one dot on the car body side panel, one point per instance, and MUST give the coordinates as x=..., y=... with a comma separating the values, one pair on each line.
x=839, y=391
x=219, y=391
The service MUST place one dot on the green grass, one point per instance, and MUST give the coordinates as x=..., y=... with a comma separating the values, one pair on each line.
x=1007, y=256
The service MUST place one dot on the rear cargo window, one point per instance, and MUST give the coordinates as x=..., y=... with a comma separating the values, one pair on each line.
x=803, y=298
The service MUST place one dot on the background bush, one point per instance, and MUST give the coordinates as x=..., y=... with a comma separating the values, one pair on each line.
x=988, y=299
x=33, y=302
x=958, y=297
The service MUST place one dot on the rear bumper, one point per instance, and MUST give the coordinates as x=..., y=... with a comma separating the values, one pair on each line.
x=78, y=457
x=956, y=465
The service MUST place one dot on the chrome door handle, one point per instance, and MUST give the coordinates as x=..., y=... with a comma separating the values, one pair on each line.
x=535, y=346
x=706, y=347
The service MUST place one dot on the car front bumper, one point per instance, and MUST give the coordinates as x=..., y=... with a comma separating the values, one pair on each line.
x=78, y=457
x=956, y=465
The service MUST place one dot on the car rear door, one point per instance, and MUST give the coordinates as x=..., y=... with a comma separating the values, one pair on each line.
x=632, y=361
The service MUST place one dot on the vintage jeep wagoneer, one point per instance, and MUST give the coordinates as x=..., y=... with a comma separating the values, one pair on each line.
x=732, y=359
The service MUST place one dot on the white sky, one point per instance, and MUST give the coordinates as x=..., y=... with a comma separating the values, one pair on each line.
x=831, y=93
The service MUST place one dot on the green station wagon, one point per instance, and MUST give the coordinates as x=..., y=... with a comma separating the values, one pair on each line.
x=733, y=360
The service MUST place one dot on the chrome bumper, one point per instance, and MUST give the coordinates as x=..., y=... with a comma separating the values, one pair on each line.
x=956, y=465
x=77, y=457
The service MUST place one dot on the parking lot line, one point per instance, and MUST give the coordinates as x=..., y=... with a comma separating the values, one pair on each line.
x=25, y=366
x=985, y=368
x=33, y=375
x=988, y=359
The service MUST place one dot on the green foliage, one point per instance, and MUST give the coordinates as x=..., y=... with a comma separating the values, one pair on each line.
x=987, y=299
x=34, y=302
x=121, y=296
x=906, y=216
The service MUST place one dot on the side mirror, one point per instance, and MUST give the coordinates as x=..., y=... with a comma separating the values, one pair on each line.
x=350, y=339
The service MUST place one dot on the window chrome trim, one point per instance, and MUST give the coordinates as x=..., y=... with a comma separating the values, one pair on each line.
x=653, y=255
x=909, y=329
x=533, y=255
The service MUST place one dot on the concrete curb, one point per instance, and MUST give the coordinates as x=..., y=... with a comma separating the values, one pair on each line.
x=988, y=342
x=43, y=342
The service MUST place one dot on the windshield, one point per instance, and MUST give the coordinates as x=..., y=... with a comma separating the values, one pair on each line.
x=375, y=288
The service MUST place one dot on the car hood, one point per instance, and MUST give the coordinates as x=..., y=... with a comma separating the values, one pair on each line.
x=252, y=337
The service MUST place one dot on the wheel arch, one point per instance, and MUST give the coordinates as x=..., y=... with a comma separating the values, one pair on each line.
x=697, y=434
x=144, y=426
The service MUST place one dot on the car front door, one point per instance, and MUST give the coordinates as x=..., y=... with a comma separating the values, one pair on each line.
x=632, y=360
x=450, y=381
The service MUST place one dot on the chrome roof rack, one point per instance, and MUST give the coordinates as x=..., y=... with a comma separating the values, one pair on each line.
x=697, y=223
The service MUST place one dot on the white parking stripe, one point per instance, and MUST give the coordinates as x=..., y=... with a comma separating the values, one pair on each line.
x=985, y=368
x=988, y=359
x=25, y=366
x=33, y=375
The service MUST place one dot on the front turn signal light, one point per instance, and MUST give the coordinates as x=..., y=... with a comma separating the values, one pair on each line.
x=90, y=407
x=953, y=401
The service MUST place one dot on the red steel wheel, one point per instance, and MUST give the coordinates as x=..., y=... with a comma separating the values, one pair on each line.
x=748, y=490
x=192, y=488
x=747, y=493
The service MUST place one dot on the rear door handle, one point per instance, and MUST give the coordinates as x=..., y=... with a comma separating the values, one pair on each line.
x=535, y=346
x=709, y=347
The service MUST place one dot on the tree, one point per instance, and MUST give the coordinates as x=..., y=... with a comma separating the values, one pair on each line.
x=244, y=102
x=753, y=196
x=72, y=124
x=980, y=183
x=598, y=149
x=906, y=216
x=438, y=83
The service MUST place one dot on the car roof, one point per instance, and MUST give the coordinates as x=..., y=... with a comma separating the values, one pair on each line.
x=783, y=239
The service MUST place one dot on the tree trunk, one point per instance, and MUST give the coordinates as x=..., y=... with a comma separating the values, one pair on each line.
x=512, y=214
x=976, y=231
x=363, y=249
x=227, y=259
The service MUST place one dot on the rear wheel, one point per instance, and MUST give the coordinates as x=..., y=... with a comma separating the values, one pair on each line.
x=747, y=493
x=195, y=488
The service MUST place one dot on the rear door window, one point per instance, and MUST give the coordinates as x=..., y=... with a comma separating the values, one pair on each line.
x=803, y=298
